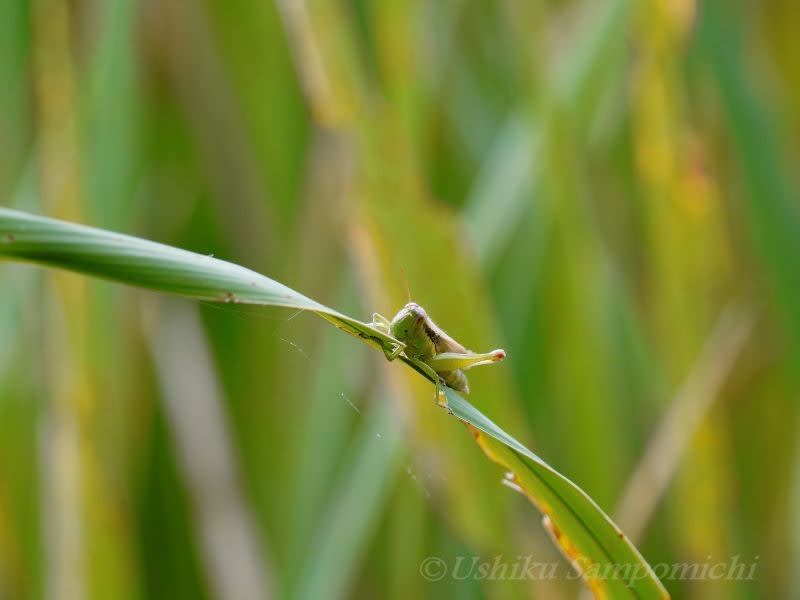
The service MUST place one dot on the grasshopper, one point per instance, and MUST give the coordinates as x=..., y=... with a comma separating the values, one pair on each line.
x=427, y=346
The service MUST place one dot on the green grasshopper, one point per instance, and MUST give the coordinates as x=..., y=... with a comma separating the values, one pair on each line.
x=428, y=347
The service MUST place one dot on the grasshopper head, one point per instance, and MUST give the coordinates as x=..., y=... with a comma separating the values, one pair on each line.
x=409, y=319
x=408, y=326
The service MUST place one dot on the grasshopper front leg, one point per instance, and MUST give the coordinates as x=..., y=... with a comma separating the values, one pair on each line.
x=383, y=325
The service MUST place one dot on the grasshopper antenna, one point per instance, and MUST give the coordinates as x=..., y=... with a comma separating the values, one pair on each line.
x=405, y=279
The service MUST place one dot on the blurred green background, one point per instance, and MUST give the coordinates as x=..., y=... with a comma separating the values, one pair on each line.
x=605, y=189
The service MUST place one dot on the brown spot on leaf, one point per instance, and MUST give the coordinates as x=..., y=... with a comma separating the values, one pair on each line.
x=476, y=433
x=550, y=526
x=9, y=238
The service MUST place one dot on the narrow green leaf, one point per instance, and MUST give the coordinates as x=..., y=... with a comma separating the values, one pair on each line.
x=610, y=563
x=155, y=266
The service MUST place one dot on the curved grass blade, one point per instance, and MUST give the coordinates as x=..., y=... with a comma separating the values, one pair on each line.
x=610, y=564
x=155, y=266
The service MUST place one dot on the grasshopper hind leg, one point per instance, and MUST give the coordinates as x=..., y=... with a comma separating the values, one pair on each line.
x=439, y=395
